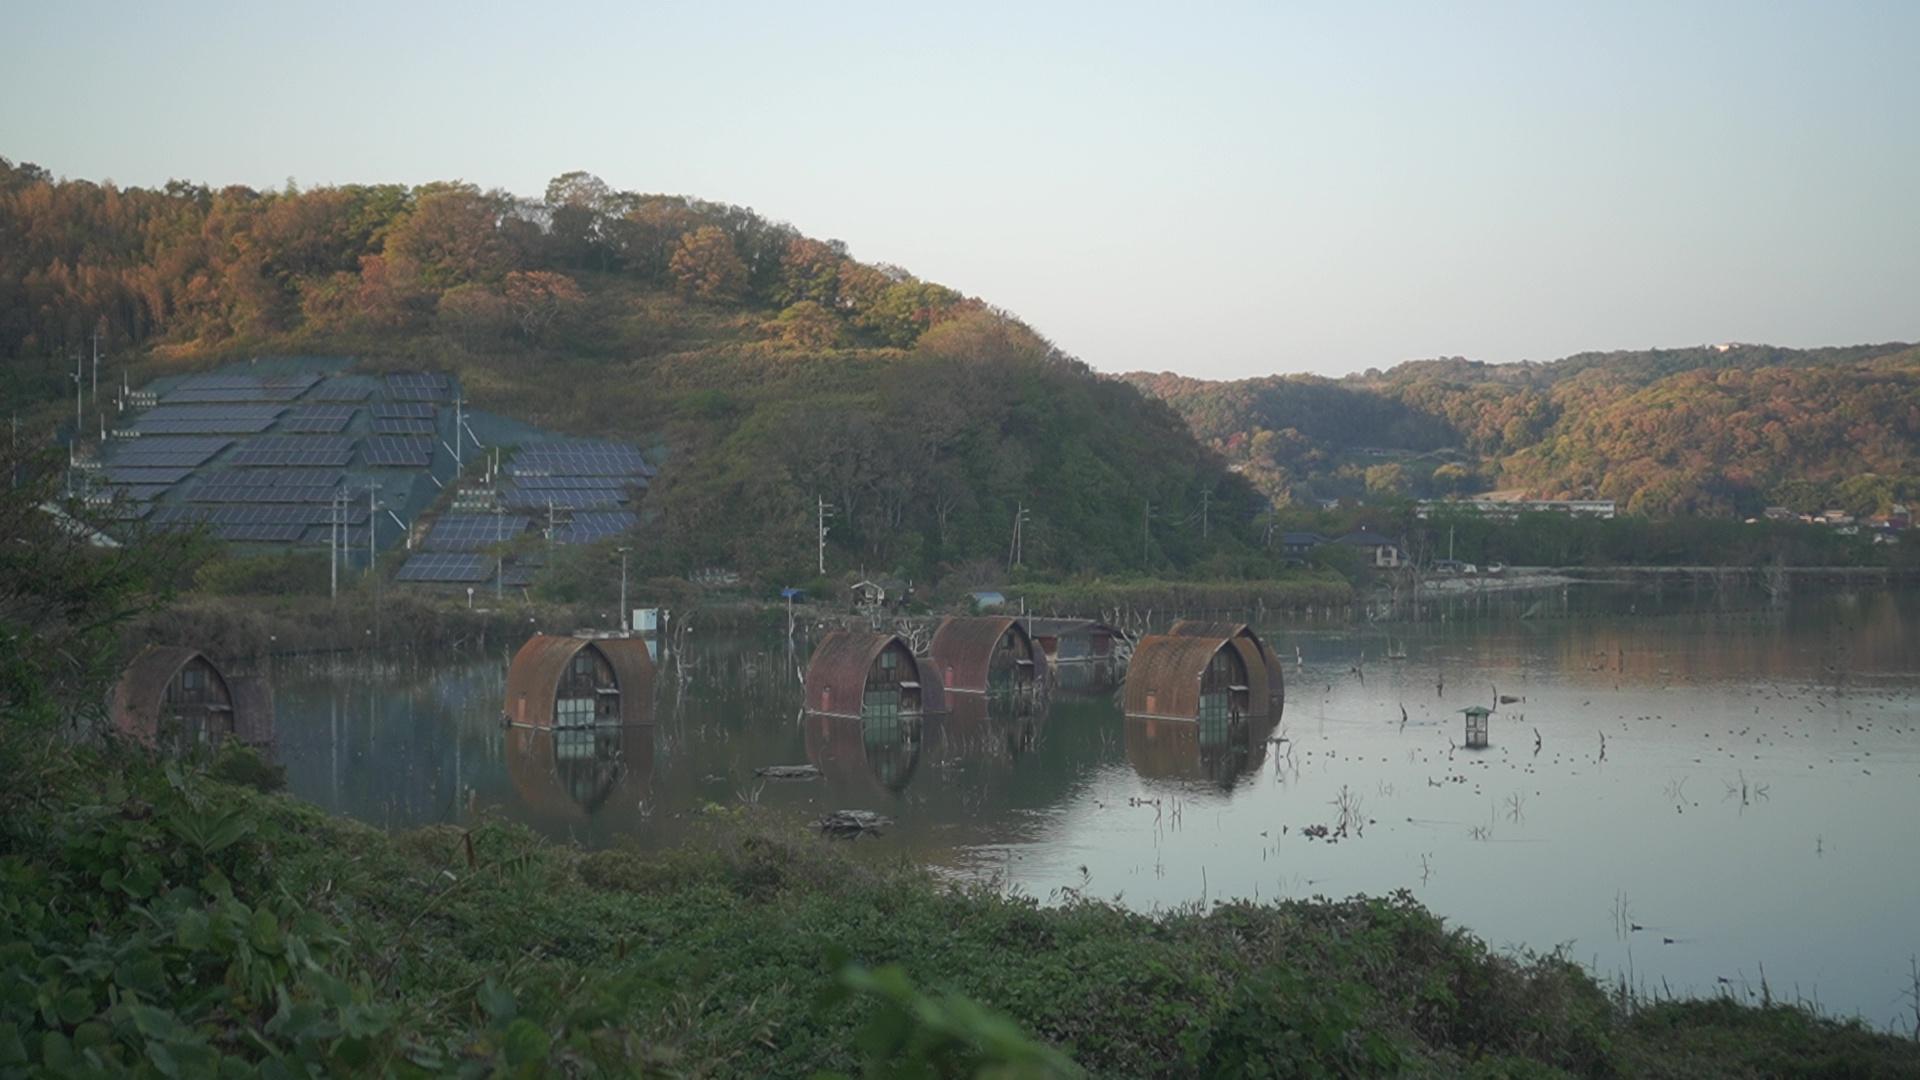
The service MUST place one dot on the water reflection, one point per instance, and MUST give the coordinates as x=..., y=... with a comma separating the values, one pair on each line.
x=570, y=775
x=1220, y=750
x=879, y=751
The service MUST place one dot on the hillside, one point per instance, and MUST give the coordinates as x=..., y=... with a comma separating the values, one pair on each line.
x=768, y=370
x=1711, y=430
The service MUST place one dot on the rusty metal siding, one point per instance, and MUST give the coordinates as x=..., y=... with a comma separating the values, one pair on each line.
x=534, y=677
x=141, y=693
x=252, y=709
x=1164, y=677
x=836, y=677
x=962, y=651
x=1274, y=692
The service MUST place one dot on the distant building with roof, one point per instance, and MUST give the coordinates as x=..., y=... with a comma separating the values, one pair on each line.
x=1379, y=551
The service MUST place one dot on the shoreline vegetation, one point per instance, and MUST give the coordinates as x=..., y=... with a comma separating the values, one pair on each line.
x=165, y=920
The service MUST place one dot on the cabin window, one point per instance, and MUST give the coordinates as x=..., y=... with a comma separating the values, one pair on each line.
x=193, y=679
x=573, y=711
x=1216, y=711
x=881, y=705
x=889, y=659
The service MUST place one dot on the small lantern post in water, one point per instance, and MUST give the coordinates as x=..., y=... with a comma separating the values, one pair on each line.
x=1477, y=726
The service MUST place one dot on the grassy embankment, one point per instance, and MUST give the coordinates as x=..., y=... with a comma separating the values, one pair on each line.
x=164, y=921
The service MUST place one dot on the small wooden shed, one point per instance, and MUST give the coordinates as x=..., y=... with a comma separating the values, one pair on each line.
x=1275, y=697
x=989, y=655
x=1207, y=679
x=580, y=680
x=1476, y=725
x=858, y=674
x=174, y=698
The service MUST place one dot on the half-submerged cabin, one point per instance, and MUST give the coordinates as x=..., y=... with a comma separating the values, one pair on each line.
x=1207, y=679
x=1272, y=672
x=991, y=656
x=580, y=680
x=1072, y=641
x=174, y=698
x=859, y=674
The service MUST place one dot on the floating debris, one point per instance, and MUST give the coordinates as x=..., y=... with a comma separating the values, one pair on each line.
x=851, y=824
x=788, y=772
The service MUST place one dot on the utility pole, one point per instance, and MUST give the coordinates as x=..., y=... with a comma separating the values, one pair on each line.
x=820, y=527
x=458, y=443
x=79, y=392
x=371, y=511
x=96, y=366
x=1017, y=548
x=625, y=621
x=333, y=547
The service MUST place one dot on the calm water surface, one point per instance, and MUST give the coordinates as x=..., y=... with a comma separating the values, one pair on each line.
x=1755, y=806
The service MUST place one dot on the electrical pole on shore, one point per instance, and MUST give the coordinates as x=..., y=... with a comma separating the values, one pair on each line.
x=625, y=622
x=1017, y=548
x=820, y=528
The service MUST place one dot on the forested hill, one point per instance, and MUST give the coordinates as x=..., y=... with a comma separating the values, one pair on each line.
x=1709, y=430
x=773, y=370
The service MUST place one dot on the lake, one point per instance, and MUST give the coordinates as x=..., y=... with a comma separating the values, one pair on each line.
x=1692, y=789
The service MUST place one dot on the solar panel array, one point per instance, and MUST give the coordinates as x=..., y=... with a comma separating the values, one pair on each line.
x=579, y=459
x=587, y=527
x=473, y=532
x=401, y=425
x=541, y=500
x=238, y=388
x=412, y=410
x=260, y=533
x=317, y=419
x=618, y=484
x=340, y=390
x=207, y=419
x=166, y=451
x=446, y=568
x=239, y=487
x=384, y=451
x=416, y=387
x=351, y=513
x=324, y=451
x=133, y=474
x=351, y=539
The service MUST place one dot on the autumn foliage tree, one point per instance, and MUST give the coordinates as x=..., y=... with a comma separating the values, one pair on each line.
x=539, y=298
x=706, y=267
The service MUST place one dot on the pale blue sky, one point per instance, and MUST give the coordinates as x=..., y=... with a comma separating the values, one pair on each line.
x=1221, y=190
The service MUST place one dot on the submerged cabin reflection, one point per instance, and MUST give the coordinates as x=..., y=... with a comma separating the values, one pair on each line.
x=573, y=774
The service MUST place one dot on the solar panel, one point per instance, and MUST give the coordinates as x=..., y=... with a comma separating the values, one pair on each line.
x=441, y=567
x=559, y=499
x=351, y=513
x=140, y=492
x=272, y=534
x=473, y=532
x=121, y=474
x=317, y=419
x=232, y=488
x=208, y=389
x=399, y=450
x=579, y=459
x=401, y=425
x=417, y=387
x=340, y=390
x=412, y=410
x=326, y=451
x=575, y=483
x=351, y=539
x=299, y=477
x=165, y=451
x=596, y=525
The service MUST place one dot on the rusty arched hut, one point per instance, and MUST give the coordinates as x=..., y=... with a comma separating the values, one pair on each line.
x=1207, y=679
x=580, y=680
x=1274, y=697
x=990, y=655
x=855, y=673
x=172, y=697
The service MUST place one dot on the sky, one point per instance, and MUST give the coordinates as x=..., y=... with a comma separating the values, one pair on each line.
x=1222, y=190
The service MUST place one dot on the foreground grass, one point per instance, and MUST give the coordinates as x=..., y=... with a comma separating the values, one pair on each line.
x=163, y=921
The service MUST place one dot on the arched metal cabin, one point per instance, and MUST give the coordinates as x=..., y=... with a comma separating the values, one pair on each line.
x=1274, y=698
x=174, y=698
x=578, y=681
x=858, y=674
x=1207, y=679
x=989, y=655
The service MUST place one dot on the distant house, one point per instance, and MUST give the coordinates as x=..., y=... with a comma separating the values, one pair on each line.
x=985, y=599
x=861, y=675
x=1298, y=545
x=1503, y=507
x=1778, y=513
x=1379, y=551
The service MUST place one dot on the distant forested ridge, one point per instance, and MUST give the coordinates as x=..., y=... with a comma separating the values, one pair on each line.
x=1713, y=430
x=770, y=370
